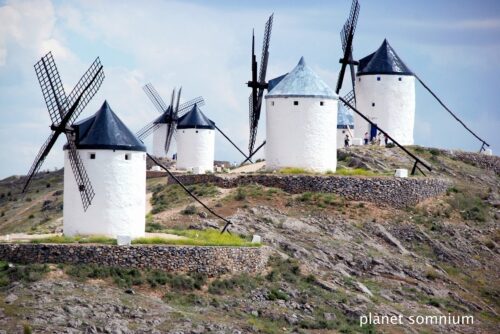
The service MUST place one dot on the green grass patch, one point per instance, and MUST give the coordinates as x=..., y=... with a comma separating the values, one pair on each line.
x=209, y=237
x=18, y=272
x=126, y=277
x=321, y=200
x=294, y=171
x=62, y=239
x=355, y=172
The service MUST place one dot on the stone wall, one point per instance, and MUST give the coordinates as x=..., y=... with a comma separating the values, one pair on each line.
x=389, y=191
x=489, y=162
x=209, y=260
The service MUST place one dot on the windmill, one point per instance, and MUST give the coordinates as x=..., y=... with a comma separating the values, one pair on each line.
x=347, y=36
x=167, y=121
x=258, y=84
x=64, y=111
x=349, y=101
x=170, y=116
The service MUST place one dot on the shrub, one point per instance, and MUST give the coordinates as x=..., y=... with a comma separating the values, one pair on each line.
x=154, y=227
x=277, y=294
x=189, y=210
x=240, y=194
x=471, y=207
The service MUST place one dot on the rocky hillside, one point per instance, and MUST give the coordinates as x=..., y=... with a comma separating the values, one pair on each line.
x=335, y=261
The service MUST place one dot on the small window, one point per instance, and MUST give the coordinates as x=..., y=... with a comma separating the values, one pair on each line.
x=359, y=79
x=92, y=156
x=183, y=131
x=399, y=78
x=295, y=103
x=128, y=156
x=196, y=131
x=272, y=103
x=378, y=78
x=373, y=104
x=321, y=103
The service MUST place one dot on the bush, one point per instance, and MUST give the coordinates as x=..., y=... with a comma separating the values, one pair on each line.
x=275, y=294
x=154, y=227
x=190, y=210
x=240, y=194
x=470, y=206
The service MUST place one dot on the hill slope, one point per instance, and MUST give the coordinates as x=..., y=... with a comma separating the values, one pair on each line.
x=336, y=260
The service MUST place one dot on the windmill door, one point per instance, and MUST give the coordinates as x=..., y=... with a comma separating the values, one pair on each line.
x=373, y=131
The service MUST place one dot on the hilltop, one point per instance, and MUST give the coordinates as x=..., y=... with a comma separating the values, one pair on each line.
x=335, y=259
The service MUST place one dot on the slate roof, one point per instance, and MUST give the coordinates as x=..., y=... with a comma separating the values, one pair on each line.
x=105, y=131
x=301, y=82
x=195, y=119
x=383, y=61
x=165, y=117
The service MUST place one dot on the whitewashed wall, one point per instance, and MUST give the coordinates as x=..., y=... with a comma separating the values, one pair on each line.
x=394, y=109
x=302, y=136
x=159, y=137
x=195, y=149
x=119, y=205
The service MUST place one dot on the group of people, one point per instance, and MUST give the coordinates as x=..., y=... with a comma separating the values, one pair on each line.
x=376, y=140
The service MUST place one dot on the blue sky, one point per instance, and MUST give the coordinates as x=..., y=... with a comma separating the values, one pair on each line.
x=454, y=46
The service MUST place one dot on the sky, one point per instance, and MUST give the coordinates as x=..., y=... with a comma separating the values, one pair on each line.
x=205, y=47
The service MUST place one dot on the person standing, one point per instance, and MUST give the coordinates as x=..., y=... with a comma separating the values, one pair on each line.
x=367, y=138
x=386, y=140
x=346, y=140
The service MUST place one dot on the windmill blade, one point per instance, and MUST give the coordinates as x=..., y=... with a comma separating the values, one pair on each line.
x=147, y=130
x=81, y=177
x=84, y=90
x=186, y=106
x=346, y=37
x=265, y=50
x=353, y=81
x=176, y=110
x=40, y=157
x=172, y=98
x=52, y=88
x=171, y=129
x=253, y=123
x=155, y=97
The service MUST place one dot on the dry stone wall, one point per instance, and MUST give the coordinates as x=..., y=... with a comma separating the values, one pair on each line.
x=211, y=261
x=388, y=191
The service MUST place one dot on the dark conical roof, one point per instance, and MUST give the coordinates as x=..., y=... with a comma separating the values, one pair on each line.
x=105, y=131
x=383, y=61
x=165, y=117
x=195, y=119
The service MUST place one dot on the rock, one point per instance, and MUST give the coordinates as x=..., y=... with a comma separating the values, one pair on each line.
x=384, y=234
x=255, y=313
x=292, y=319
x=10, y=298
x=329, y=316
x=364, y=289
x=130, y=291
x=203, y=214
x=293, y=224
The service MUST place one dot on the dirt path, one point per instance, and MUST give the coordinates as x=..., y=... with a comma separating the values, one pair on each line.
x=249, y=168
